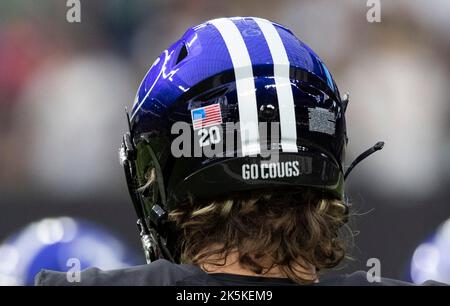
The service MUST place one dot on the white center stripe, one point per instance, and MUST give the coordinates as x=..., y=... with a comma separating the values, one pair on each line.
x=245, y=85
x=283, y=84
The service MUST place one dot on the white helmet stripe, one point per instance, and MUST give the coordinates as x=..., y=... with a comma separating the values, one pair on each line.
x=283, y=85
x=245, y=85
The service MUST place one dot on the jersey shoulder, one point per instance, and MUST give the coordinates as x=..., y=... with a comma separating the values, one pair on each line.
x=158, y=273
x=359, y=278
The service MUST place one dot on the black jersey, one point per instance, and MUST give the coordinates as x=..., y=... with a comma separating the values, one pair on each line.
x=165, y=273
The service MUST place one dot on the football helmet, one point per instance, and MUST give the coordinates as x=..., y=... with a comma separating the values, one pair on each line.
x=235, y=104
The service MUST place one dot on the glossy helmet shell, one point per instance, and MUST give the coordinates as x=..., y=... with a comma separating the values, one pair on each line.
x=254, y=69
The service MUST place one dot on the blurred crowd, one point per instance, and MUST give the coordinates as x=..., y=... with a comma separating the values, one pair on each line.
x=64, y=87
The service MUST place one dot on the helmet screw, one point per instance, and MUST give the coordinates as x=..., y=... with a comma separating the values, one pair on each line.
x=267, y=111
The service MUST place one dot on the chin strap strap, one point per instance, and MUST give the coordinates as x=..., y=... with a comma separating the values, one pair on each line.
x=378, y=146
x=159, y=175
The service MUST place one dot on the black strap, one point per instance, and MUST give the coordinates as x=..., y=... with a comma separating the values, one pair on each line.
x=159, y=175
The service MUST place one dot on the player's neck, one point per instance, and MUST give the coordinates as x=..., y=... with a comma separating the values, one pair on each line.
x=232, y=266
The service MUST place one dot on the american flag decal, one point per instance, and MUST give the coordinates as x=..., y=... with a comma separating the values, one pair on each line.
x=206, y=116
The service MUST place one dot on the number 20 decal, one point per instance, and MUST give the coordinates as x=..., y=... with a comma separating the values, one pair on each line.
x=209, y=136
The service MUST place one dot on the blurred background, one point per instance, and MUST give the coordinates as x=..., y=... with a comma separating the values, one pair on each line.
x=64, y=87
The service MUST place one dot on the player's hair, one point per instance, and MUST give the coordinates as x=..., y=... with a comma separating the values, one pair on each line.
x=284, y=228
